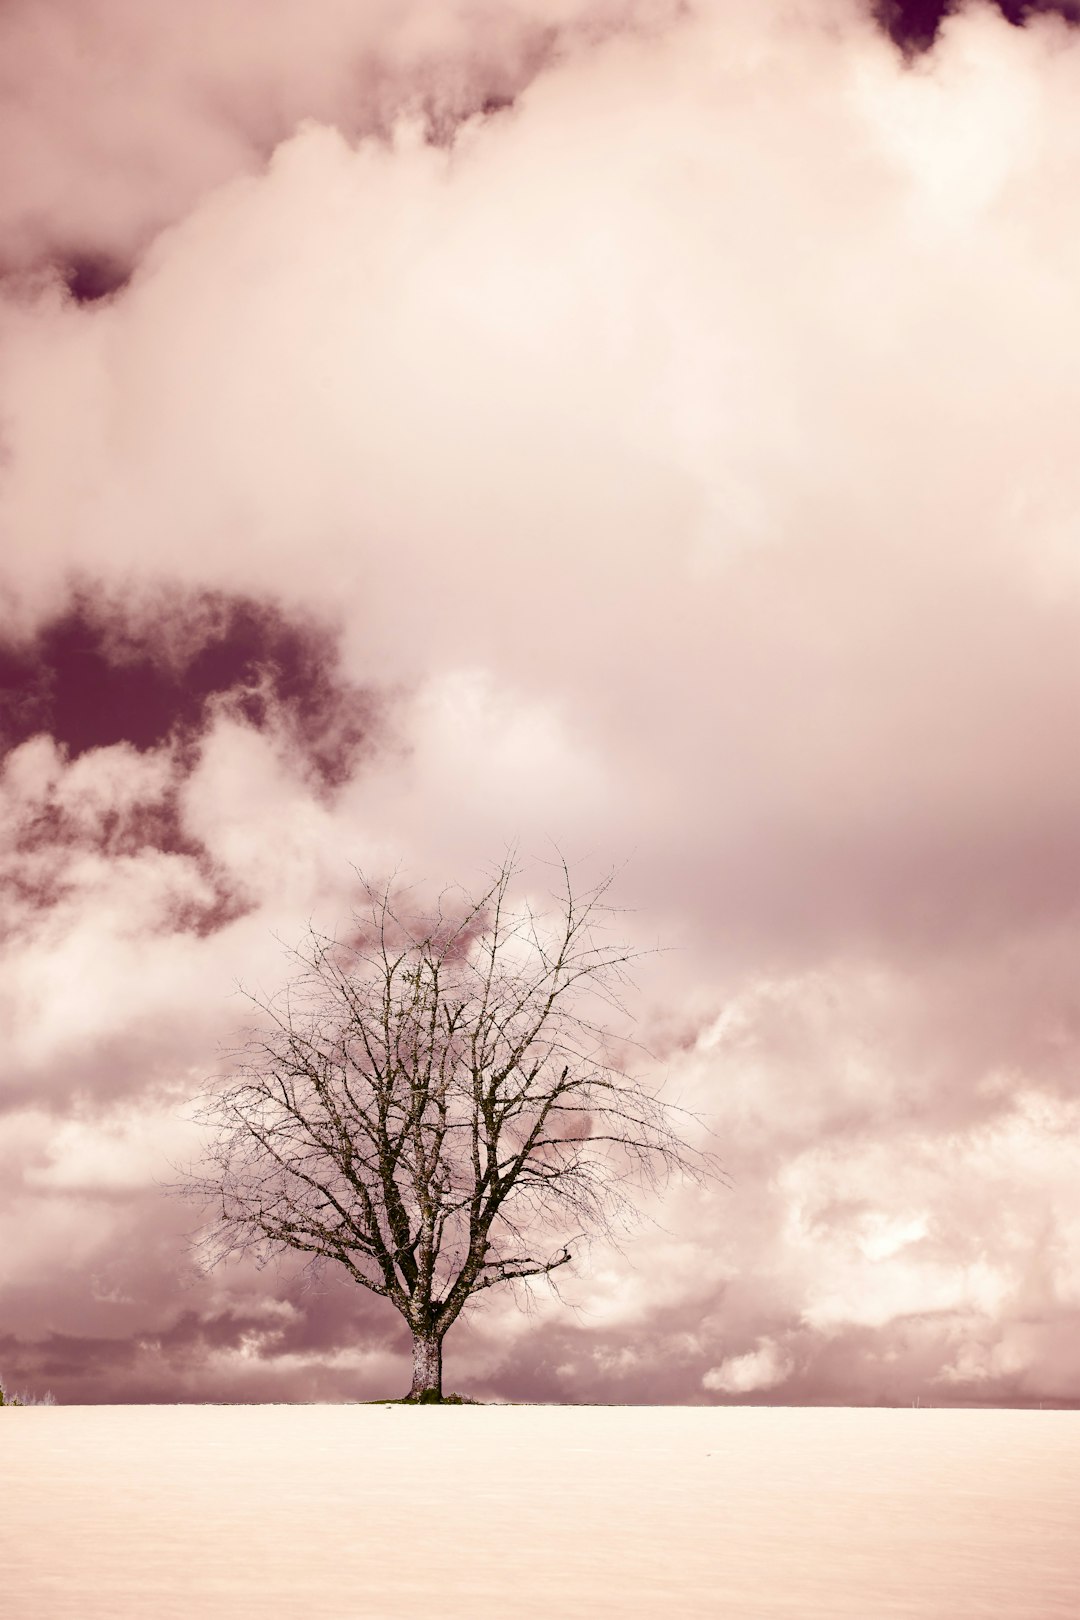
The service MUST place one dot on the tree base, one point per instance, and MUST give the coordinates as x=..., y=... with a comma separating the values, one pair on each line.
x=431, y=1397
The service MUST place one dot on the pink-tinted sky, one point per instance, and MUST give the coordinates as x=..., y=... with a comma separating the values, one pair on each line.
x=643, y=427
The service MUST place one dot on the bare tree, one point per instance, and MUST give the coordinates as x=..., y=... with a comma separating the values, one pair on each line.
x=436, y=1103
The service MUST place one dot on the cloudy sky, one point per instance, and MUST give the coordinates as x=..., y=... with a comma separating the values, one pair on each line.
x=641, y=427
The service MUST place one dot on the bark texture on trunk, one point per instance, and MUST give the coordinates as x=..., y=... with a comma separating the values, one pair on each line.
x=427, y=1367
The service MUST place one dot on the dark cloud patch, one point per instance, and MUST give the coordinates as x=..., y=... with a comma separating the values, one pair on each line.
x=120, y=830
x=335, y=1316
x=299, y=1321
x=71, y=684
x=152, y=679
x=896, y=1365
x=227, y=903
x=92, y=277
x=451, y=102
x=257, y=1349
x=34, y=875
x=1018, y=12
x=37, y=1365
x=913, y=24
x=96, y=677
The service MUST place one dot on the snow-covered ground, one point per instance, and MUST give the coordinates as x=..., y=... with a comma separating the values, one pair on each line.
x=386, y=1513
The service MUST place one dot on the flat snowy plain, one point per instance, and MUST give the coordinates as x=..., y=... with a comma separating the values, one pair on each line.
x=386, y=1513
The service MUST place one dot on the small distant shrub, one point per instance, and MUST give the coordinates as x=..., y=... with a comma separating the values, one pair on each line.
x=7, y=1399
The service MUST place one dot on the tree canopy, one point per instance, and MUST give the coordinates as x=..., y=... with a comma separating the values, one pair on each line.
x=437, y=1103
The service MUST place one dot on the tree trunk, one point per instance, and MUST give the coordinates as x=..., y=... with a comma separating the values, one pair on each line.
x=427, y=1367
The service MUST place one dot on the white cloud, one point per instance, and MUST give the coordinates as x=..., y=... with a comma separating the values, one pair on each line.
x=763, y=1368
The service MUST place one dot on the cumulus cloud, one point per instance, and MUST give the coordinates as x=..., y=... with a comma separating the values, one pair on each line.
x=741, y=1375
x=116, y=121
x=641, y=427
